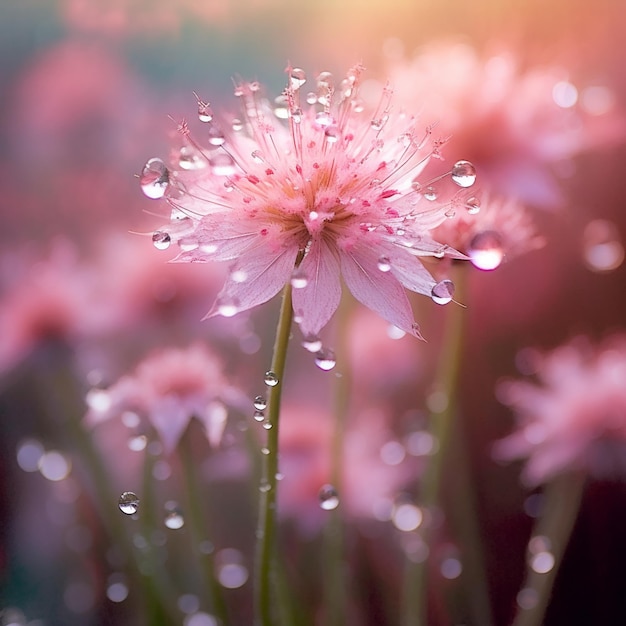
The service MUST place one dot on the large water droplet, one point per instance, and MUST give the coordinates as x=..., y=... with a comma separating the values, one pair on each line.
x=128, y=503
x=299, y=279
x=602, y=249
x=297, y=78
x=154, y=179
x=485, y=250
x=260, y=403
x=463, y=173
x=312, y=343
x=443, y=292
x=328, y=497
x=325, y=359
x=270, y=379
x=161, y=240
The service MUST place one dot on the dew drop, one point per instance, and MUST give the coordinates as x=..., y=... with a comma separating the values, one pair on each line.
x=154, y=179
x=328, y=497
x=299, y=279
x=311, y=343
x=281, y=107
x=472, y=205
x=443, y=292
x=216, y=136
x=137, y=443
x=222, y=165
x=227, y=307
x=128, y=503
x=430, y=193
x=267, y=425
x=236, y=124
x=311, y=97
x=384, y=264
x=190, y=159
x=161, y=240
x=463, y=173
x=332, y=134
x=297, y=78
x=205, y=113
x=325, y=359
x=239, y=276
x=174, y=519
x=323, y=120
x=260, y=403
x=602, y=249
x=258, y=415
x=270, y=379
x=486, y=250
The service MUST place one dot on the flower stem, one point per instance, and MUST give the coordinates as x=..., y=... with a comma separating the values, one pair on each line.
x=450, y=450
x=562, y=497
x=200, y=527
x=266, y=530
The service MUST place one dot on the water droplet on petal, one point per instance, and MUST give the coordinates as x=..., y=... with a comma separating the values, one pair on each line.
x=154, y=179
x=270, y=379
x=228, y=307
x=384, y=264
x=260, y=403
x=443, y=292
x=299, y=279
x=312, y=343
x=328, y=497
x=161, y=240
x=332, y=134
x=463, y=173
x=602, y=249
x=325, y=359
x=258, y=415
x=128, y=503
x=223, y=165
x=472, y=205
x=239, y=276
x=486, y=250
x=297, y=78
x=236, y=124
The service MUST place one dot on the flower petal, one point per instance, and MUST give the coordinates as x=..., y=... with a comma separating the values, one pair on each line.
x=169, y=418
x=255, y=278
x=378, y=290
x=315, y=303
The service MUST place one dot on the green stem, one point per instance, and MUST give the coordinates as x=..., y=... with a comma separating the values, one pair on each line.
x=335, y=580
x=266, y=530
x=562, y=497
x=446, y=433
x=200, y=527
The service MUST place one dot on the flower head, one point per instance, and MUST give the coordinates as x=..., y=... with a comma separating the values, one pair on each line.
x=309, y=190
x=576, y=418
x=490, y=230
x=169, y=388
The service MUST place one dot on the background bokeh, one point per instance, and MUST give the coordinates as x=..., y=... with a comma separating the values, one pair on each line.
x=87, y=90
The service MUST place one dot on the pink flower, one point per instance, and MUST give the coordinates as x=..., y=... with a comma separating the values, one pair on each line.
x=328, y=193
x=502, y=228
x=518, y=126
x=169, y=388
x=575, y=419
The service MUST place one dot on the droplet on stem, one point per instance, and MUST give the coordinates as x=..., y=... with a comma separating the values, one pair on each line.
x=128, y=503
x=328, y=497
x=270, y=379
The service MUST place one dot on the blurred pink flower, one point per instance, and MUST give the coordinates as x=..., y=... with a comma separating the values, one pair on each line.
x=331, y=193
x=491, y=230
x=519, y=127
x=575, y=419
x=374, y=465
x=170, y=387
x=59, y=298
